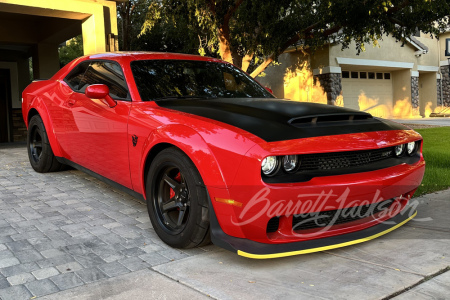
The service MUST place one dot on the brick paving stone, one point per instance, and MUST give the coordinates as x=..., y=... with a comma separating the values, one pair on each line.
x=41, y=288
x=55, y=261
x=20, y=278
x=18, y=269
x=154, y=259
x=45, y=273
x=6, y=254
x=27, y=256
x=91, y=274
x=149, y=248
x=134, y=263
x=5, y=239
x=76, y=249
x=7, y=262
x=52, y=253
x=69, y=267
x=19, y=245
x=98, y=230
x=66, y=281
x=41, y=240
x=132, y=252
x=113, y=269
x=27, y=235
x=173, y=254
x=18, y=292
x=89, y=260
x=4, y=283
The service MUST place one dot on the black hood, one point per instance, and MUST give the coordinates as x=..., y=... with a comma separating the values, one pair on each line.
x=278, y=120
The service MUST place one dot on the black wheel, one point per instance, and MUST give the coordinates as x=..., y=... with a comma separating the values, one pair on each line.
x=40, y=153
x=177, y=200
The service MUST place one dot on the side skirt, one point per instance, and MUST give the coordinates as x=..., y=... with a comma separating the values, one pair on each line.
x=102, y=178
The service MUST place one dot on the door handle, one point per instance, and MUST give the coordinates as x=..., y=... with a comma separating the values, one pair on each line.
x=71, y=102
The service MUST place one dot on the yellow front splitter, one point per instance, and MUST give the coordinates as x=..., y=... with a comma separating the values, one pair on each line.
x=328, y=247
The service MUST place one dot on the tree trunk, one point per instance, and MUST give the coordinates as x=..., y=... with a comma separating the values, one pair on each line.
x=125, y=15
x=263, y=66
x=246, y=61
x=224, y=44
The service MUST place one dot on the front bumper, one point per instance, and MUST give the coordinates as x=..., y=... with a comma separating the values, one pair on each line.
x=256, y=250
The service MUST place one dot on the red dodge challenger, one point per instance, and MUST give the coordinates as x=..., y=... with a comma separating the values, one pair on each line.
x=217, y=157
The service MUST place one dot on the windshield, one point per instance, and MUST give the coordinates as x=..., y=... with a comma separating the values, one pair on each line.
x=169, y=79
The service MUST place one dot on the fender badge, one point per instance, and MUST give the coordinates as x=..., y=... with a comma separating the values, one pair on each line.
x=134, y=138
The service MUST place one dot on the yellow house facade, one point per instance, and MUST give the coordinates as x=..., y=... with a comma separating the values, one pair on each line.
x=390, y=80
x=35, y=29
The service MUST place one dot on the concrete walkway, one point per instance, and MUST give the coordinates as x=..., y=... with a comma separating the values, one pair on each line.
x=68, y=236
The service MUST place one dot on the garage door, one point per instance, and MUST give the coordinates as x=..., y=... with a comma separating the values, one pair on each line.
x=365, y=90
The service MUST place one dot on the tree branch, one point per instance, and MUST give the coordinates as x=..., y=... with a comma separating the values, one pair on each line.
x=212, y=7
x=232, y=10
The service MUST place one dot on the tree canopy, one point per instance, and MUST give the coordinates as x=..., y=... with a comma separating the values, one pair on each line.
x=251, y=34
x=72, y=50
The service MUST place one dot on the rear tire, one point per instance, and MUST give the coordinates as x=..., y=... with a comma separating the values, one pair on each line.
x=177, y=200
x=40, y=152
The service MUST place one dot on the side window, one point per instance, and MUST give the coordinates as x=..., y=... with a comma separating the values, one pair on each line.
x=108, y=73
x=74, y=78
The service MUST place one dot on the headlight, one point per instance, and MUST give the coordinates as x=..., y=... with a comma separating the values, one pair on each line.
x=399, y=150
x=269, y=165
x=290, y=162
x=411, y=148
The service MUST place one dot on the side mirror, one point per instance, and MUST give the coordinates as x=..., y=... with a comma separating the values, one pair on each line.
x=269, y=89
x=100, y=91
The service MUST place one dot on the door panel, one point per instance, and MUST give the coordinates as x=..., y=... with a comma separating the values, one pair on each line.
x=96, y=133
x=98, y=137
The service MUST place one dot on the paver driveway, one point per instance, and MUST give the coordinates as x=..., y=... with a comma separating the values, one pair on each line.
x=69, y=236
x=66, y=229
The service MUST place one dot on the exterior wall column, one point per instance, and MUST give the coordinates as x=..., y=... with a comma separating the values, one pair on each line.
x=45, y=61
x=401, y=86
x=330, y=79
x=428, y=93
x=94, y=34
x=415, y=92
x=439, y=94
x=445, y=81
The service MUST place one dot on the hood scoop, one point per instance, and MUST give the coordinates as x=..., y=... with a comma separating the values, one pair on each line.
x=330, y=119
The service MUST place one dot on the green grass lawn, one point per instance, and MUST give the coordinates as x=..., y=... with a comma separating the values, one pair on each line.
x=436, y=151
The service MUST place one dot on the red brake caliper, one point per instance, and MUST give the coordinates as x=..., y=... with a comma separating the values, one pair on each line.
x=178, y=179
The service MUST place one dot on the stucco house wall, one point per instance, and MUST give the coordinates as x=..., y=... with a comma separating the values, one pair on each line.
x=390, y=79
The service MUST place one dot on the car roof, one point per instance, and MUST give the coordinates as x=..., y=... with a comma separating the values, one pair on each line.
x=143, y=55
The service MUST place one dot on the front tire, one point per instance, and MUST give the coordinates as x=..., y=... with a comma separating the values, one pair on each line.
x=177, y=200
x=40, y=152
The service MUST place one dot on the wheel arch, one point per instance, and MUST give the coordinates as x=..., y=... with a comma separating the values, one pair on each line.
x=151, y=156
x=39, y=108
x=200, y=154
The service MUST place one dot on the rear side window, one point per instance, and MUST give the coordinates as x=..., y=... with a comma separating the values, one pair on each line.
x=75, y=77
x=108, y=73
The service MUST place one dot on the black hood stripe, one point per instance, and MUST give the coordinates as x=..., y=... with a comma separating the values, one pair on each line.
x=270, y=119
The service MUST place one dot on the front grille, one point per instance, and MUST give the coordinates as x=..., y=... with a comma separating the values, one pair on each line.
x=272, y=225
x=340, y=160
x=340, y=216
